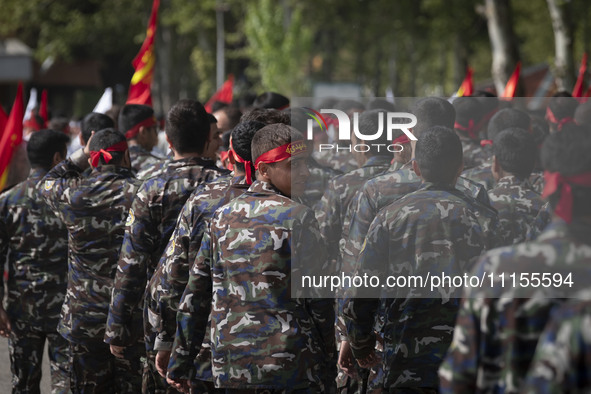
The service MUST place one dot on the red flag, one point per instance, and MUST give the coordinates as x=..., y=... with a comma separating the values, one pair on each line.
x=512, y=83
x=224, y=94
x=140, y=86
x=578, y=89
x=467, y=86
x=43, y=112
x=12, y=135
x=3, y=119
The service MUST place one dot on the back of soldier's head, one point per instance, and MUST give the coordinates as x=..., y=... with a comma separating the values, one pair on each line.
x=95, y=121
x=271, y=100
x=60, y=123
x=561, y=108
x=43, y=145
x=104, y=139
x=369, y=124
x=583, y=113
x=349, y=105
x=507, y=118
x=242, y=136
x=469, y=115
x=431, y=112
x=515, y=151
x=232, y=113
x=567, y=153
x=133, y=114
x=266, y=116
x=382, y=104
x=438, y=154
x=273, y=136
x=188, y=126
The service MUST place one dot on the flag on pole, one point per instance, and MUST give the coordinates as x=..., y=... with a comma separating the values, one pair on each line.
x=578, y=89
x=105, y=103
x=12, y=135
x=467, y=86
x=511, y=86
x=43, y=111
x=224, y=94
x=141, y=81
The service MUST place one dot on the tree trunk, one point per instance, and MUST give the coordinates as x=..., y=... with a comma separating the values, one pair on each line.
x=503, y=41
x=563, y=43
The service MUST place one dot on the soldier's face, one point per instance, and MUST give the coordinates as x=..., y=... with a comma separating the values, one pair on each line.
x=289, y=176
x=214, y=143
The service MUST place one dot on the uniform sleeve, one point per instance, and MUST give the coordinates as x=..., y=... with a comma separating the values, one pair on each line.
x=62, y=177
x=457, y=373
x=4, y=240
x=360, y=313
x=328, y=214
x=193, y=313
x=140, y=240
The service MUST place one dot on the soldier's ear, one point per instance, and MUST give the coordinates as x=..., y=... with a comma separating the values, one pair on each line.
x=264, y=172
x=57, y=158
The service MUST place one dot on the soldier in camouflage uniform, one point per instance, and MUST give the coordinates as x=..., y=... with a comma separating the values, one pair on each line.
x=34, y=243
x=498, y=326
x=263, y=335
x=172, y=273
x=152, y=217
x=140, y=127
x=504, y=119
x=432, y=230
x=513, y=197
x=562, y=362
x=94, y=209
x=470, y=119
x=542, y=220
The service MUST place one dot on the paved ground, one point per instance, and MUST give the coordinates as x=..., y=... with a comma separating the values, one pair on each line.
x=5, y=376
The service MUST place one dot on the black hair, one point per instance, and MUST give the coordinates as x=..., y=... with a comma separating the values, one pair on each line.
x=242, y=136
x=431, y=112
x=212, y=119
x=132, y=114
x=271, y=100
x=507, y=118
x=516, y=151
x=563, y=105
x=583, y=113
x=382, y=104
x=567, y=153
x=369, y=124
x=188, y=126
x=347, y=105
x=439, y=155
x=43, y=144
x=217, y=105
x=273, y=136
x=60, y=123
x=468, y=109
x=233, y=114
x=94, y=121
x=104, y=139
x=266, y=116
x=226, y=139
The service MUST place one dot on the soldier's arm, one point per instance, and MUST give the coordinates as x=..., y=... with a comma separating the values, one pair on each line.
x=458, y=371
x=5, y=327
x=328, y=215
x=63, y=176
x=193, y=314
x=129, y=286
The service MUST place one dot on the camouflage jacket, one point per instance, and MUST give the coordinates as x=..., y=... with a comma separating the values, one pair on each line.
x=151, y=221
x=389, y=187
x=562, y=363
x=171, y=276
x=498, y=327
x=481, y=174
x=543, y=218
x=34, y=244
x=518, y=205
x=141, y=159
x=317, y=182
x=94, y=210
x=474, y=154
x=340, y=161
x=261, y=336
x=153, y=170
x=428, y=232
x=332, y=209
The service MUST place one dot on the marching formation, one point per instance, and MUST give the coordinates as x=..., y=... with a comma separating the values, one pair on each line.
x=186, y=273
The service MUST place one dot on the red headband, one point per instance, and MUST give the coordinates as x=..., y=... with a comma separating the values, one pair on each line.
x=556, y=181
x=281, y=153
x=559, y=123
x=223, y=157
x=403, y=139
x=484, y=143
x=95, y=156
x=247, y=164
x=472, y=127
x=131, y=133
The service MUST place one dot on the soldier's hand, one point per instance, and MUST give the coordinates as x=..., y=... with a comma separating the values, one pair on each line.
x=368, y=361
x=162, y=358
x=87, y=147
x=181, y=385
x=5, y=328
x=117, y=351
x=346, y=360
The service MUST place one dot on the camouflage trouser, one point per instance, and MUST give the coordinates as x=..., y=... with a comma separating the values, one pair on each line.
x=96, y=370
x=26, y=346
